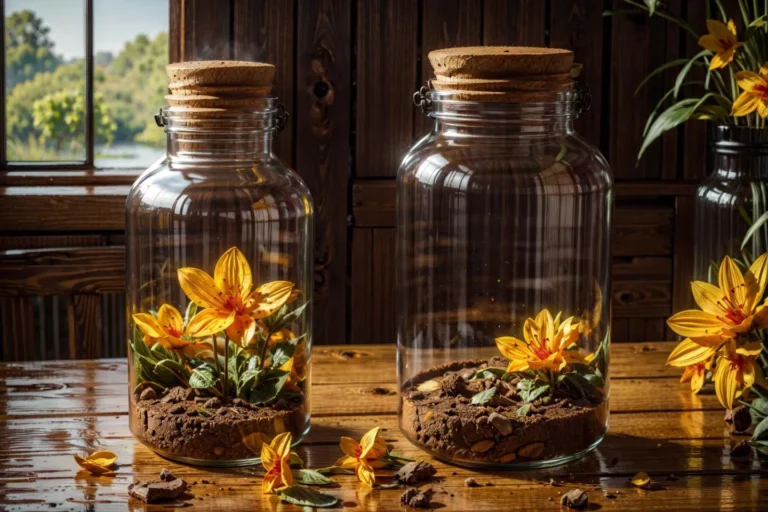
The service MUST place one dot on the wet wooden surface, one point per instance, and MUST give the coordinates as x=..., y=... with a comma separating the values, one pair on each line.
x=52, y=410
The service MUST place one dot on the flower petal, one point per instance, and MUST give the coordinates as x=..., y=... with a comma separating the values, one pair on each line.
x=365, y=473
x=689, y=352
x=726, y=386
x=268, y=484
x=282, y=444
x=750, y=349
x=200, y=288
x=368, y=441
x=103, y=458
x=697, y=324
x=268, y=298
x=268, y=456
x=349, y=446
x=748, y=80
x=170, y=319
x=732, y=283
x=707, y=297
x=242, y=329
x=148, y=324
x=711, y=43
x=755, y=280
x=513, y=348
x=346, y=462
x=723, y=58
x=762, y=109
x=745, y=104
x=92, y=468
x=233, y=274
x=720, y=30
x=209, y=321
x=697, y=381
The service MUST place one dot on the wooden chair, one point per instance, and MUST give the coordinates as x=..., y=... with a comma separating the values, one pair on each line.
x=83, y=275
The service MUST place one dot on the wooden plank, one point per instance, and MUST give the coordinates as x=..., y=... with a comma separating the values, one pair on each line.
x=382, y=299
x=17, y=326
x=641, y=298
x=175, y=30
x=66, y=208
x=206, y=30
x=40, y=241
x=62, y=177
x=62, y=271
x=642, y=231
x=517, y=22
x=324, y=51
x=683, y=259
x=84, y=319
x=445, y=23
x=264, y=32
x=386, y=80
x=695, y=134
x=361, y=278
x=578, y=25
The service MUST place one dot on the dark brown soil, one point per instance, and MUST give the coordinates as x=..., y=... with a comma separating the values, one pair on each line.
x=183, y=425
x=445, y=422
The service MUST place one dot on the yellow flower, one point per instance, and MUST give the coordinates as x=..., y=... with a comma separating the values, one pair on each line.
x=728, y=310
x=721, y=41
x=545, y=345
x=169, y=330
x=98, y=463
x=228, y=297
x=294, y=378
x=755, y=95
x=363, y=457
x=696, y=374
x=276, y=459
x=736, y=371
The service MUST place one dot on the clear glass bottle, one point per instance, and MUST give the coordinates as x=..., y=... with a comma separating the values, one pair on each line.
x=219, y=284
x=734, y=195
x=503, y=283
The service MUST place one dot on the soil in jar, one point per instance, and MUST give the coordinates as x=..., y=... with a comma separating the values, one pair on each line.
x=182, y=424
x=438, y=414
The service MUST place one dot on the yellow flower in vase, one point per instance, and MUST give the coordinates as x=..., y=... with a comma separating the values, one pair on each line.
x=227, y=295
x=755, y=95
x=736, y=372
x=169, y=329
x=721, y=41
x=364, y=456
x=731, y=309
x=545, y=346
x=276, y=459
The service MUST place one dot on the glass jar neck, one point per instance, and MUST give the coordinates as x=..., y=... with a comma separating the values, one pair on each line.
x=740, y=152
x=501, y=120
x=221, y=135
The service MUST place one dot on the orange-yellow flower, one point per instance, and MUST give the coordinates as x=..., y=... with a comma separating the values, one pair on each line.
x=169, y=329
x=755, y=95
x=276, y=459
x=545, y=345
x=731, y=309
x=364, y=457
x=721, y=41
x=696, y=374
x=736, y=371
x=227, y=295
x=294, y=378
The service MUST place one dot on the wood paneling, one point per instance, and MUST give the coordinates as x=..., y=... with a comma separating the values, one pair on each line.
x=206, y=30
x=264, y=31
x=514, y=22
x=323, y=103
x=386, y=80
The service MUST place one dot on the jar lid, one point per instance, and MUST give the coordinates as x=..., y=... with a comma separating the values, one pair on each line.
x=503, y=73
x=217, y=84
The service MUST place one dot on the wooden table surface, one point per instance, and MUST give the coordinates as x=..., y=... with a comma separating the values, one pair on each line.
x=52, y=410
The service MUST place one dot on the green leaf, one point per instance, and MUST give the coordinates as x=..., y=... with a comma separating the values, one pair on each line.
x=269, y=385
x=661, y=69
x=247, y=382
x=296, y=460
x=160, y=352
x=761, y=431
x=306, y=497
x=753, y=228
x=310, y=477
x=190, y=312
x=484, y=397
x=685, y=69
x=529, y=389
x=651, y=4
x=174, y=366
x=523, y=411
x=489, y=373
x=282, y=319
x=758, y=409
x=138, y=346
x=281, y=352
x=335, y=470
x=674, y=116
x=203, y=377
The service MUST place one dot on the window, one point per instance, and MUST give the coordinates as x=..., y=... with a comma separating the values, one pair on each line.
x=83, y=79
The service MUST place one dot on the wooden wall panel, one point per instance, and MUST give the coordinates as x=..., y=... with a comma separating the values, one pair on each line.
x=514, y=22
x=264, y=31
x=205, y=30
x=324, y=85
x=387, y=39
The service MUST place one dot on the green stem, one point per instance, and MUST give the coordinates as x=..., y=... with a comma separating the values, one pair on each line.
x=722, y=10
x=263, y=352
x=662, y=14
x=226, y=365
x=215, y=354
x=744, y=13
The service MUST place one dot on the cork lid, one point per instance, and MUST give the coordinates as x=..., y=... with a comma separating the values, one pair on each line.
x=500, y=61
x=219, y=84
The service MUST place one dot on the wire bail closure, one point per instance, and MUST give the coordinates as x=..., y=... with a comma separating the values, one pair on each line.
x=421, y=99
x=281, y=118
x=583, y=98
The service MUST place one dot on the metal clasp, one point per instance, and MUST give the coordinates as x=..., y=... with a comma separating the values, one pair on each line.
x=583, y=98
x=159, y=121
x=281, y=118
x=421, y=99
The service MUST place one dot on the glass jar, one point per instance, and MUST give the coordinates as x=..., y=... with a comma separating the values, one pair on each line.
x=730, y=199
x=503, y=283
x=219, y=284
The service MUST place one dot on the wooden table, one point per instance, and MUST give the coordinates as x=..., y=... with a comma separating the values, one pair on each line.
x=51, y=410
